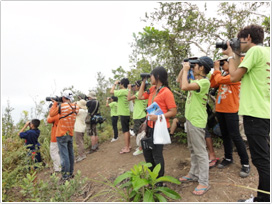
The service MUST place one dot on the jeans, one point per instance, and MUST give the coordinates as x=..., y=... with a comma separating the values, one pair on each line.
x=155, y=155
x=65, y=144
x=114, y=120
x=257, y=131
x=229, y=126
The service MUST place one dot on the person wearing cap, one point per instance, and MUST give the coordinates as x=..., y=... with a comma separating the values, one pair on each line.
x=123, y=110
x=226, y=107
x=80, y=127
x=139, y=113
x=196, y=120
x=93, y=107
x=254, y=73
x=67, y=112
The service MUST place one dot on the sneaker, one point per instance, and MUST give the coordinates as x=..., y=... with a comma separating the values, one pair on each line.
x=224, y=163
x=245, y=170
x=132, y=133
x=137, y=152
x=80, y=159
x=251, y=199
x=92, y=151
x=113, y=139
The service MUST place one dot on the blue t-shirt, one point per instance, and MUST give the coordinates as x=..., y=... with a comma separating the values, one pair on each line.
x=31, y=138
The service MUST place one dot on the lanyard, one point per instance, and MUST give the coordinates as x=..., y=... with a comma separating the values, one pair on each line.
x=156, y=94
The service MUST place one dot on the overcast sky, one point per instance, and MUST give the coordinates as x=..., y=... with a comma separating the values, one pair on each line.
x=47, y=46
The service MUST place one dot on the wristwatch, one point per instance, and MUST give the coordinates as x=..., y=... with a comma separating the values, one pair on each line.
x=231, y=57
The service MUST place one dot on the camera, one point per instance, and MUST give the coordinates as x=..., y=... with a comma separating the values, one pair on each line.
x=234, y=44
x=57, y=99
x=97, y=119
x=145, y=75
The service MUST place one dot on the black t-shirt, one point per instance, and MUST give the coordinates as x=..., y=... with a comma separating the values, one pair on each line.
x=91, y=104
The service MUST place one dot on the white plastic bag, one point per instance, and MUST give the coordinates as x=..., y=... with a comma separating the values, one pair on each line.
x=161, y=134
x=131, y=106
x=140, y=136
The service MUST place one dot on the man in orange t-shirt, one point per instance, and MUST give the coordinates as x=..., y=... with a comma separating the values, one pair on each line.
x=227, y=105
x=54, y=150
x=64, y=133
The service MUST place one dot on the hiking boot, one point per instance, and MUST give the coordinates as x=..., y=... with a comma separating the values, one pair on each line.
x=137, y=152
x=245, y=170
x=80, y=159
x=113, y=139
x=92, y=151
x=224, y=163
x=251, y=199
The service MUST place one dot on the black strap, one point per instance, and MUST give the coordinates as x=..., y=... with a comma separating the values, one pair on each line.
x=73, y=111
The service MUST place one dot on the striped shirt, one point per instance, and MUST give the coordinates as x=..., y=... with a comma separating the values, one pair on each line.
x=66, y=124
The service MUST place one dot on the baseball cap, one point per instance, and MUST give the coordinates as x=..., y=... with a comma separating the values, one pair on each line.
x=207, y=62
x=68, y=94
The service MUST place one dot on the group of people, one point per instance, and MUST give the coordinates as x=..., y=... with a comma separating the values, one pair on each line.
x=244, y=89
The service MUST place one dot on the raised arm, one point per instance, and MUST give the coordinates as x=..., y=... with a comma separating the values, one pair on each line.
x=141, y=90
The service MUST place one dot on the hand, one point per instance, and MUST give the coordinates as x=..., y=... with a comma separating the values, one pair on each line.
x=116, y=82
x=186, y=66
x=27, y=124
x=153, y=117
x=228, y=51
x=216, y=65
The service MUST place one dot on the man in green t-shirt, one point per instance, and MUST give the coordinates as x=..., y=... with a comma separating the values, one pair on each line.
x=123, y=110
x=114, y=116
x=254, y=73
x=139, y=112
x=196, y=120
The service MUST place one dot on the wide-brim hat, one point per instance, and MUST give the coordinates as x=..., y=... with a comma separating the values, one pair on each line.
x=82, y=104
x=92, y=95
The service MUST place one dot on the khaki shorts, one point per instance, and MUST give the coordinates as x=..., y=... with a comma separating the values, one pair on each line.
x=91, y=129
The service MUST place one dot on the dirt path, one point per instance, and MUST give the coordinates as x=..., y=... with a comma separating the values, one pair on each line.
x=109, y=163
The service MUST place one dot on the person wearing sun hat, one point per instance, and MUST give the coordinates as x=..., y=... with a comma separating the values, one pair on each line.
x=93, y=107
x=80, y=127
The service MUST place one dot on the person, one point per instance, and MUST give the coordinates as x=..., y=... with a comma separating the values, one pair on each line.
x=123, y=110
x=254, y=73
x=196, y=120
x=139, y=113
x=162, y=95
x=31, y=139
x=114, y=115
x=80, y=127
x=54, y=150
x=226, y=107
x=93, y=107
x=67, y=112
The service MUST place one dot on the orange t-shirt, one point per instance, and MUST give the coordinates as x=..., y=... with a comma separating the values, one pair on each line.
x=54, y=120
x=164, y=98
x=227, y=100
x=65, y=125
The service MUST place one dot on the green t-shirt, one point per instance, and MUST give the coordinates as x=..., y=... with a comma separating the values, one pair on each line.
x=122, y=104
x=195, y=108
x=113, y=107
x=139, y=108
x=255, y=84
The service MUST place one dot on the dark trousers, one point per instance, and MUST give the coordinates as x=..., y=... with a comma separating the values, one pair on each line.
x=229, y=126
x=257, y=131
x=155, y=155
x=114, y=120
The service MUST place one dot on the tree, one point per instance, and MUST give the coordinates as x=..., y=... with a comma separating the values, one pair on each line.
x=7, y=121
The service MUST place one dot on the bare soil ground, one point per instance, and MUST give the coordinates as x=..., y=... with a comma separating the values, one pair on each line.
x=109, y=163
